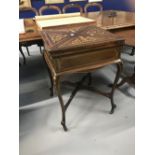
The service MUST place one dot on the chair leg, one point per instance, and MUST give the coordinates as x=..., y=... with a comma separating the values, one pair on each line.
x=28, y=51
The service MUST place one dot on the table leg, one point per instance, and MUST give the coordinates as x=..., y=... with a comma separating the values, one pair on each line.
x=28, y=51
x=51, y=80
x=133, y=51
x=50, y=77
x=57, y=88
x=40, y=49
x=119, y=69
x=21, y=51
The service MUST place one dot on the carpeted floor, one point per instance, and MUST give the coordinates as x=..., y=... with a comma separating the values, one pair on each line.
x=92, y=130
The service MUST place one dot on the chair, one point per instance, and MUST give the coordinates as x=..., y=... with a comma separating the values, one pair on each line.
x=88, y=5
x=28, y=10
x=43, y=10
x=71, y=6
x=32, y=13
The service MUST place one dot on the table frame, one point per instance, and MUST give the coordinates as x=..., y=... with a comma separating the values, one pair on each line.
x=56, y=80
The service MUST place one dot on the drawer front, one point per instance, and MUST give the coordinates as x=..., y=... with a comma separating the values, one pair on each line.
x=90, y=58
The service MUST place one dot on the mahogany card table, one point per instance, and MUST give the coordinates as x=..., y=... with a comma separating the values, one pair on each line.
x=80, y=49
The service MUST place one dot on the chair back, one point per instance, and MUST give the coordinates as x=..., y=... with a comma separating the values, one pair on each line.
x=71, y=6
x=28, y=10
x=88, y=5
x=44, y=10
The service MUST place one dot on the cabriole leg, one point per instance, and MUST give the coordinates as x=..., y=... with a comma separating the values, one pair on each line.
x=119, y=69
x=28, y=51
x=57, y=88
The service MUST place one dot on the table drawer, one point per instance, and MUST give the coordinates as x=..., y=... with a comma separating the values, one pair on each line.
x=86, y=59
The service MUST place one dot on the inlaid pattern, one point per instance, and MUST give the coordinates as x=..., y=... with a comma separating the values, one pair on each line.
x=73, y=37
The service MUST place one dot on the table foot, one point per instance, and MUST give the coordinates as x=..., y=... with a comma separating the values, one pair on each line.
x=112, y=109
x=64, y=126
